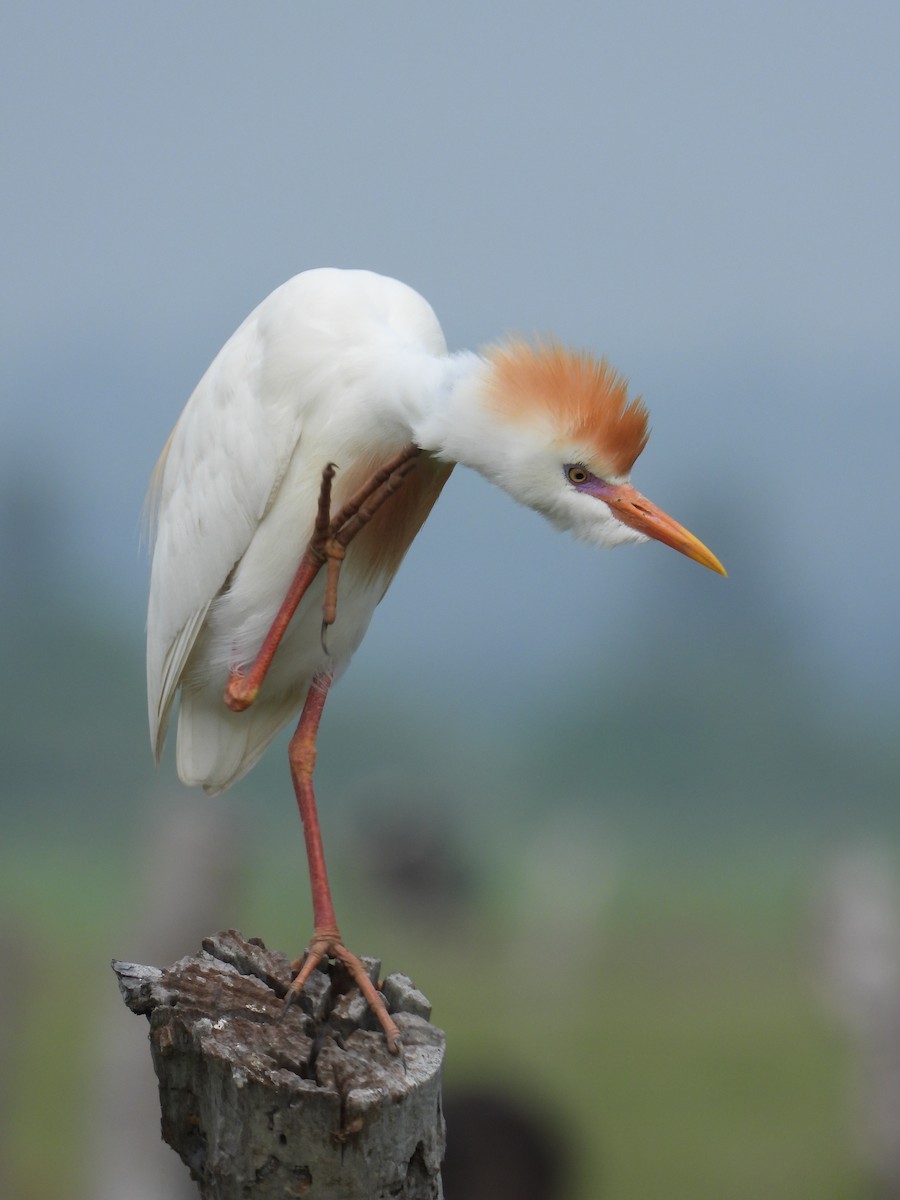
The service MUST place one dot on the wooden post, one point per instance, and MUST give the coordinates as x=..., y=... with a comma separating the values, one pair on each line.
x=263, y=1103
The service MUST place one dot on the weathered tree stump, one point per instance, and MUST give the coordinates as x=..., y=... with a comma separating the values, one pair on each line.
x=263, y=1103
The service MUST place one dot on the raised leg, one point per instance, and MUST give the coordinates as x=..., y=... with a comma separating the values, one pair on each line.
x=330, y=539
x=326, y=939
x=356, y=513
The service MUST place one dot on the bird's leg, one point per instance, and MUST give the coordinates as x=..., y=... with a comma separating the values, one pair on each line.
x=328, y=544
x=243, y=688
x=326, y=939
x=356, y=513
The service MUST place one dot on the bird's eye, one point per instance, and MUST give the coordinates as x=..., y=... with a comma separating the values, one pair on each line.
x=577, y=474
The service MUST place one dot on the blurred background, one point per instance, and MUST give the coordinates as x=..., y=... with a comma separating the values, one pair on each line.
x=631, y=827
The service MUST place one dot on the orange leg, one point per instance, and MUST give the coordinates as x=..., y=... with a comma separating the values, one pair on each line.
x=331, y=536
x=326, y=939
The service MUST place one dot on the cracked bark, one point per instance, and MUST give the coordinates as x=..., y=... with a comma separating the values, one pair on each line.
x=261, y=1103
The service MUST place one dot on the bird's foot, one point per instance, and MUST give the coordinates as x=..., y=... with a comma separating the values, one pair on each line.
x=241, y=691
x=327, y=944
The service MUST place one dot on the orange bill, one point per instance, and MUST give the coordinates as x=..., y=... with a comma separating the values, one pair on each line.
x=641, y=514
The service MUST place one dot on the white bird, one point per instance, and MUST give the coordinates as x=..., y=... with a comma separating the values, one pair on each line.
x=349, y=368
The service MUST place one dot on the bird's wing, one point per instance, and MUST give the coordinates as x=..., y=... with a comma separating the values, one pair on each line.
x=212, y=486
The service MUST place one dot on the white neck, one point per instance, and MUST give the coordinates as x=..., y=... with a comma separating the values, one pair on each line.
x=452, y=421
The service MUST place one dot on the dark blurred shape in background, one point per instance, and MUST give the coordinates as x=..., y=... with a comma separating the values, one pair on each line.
x=498, y=1148
x=413, y=855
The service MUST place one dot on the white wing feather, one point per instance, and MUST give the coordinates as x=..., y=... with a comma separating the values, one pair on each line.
x=222, y=467
x=328, y=368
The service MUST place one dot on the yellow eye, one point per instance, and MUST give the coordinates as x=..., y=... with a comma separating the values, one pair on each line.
x=577, y=474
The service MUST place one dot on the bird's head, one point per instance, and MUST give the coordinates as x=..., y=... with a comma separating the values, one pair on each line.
x=557, y=430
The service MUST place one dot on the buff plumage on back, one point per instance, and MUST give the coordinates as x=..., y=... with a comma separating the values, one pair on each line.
x=584, y=398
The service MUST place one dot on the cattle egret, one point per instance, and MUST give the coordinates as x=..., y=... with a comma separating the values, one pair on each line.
x=323, y=432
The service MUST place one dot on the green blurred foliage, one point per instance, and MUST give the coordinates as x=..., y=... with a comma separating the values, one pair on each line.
x=628, y=869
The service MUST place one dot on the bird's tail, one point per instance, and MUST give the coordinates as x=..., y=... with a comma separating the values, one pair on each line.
x=217, y=747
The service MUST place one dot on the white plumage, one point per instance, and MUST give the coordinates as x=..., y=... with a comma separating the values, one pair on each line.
x=349, y=367
x=237, y=491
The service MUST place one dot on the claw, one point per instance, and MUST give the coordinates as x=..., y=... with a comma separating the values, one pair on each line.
x=330, y=946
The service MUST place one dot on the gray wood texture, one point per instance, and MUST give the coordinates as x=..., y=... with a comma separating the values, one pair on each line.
x=263, y=1102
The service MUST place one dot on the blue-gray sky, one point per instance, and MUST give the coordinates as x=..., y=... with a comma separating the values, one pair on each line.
x=708, y=193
